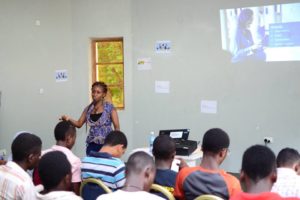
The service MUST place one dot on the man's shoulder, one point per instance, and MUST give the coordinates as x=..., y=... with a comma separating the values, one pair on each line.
x=262, y=196
x=15, y=177
x=107, y=161
x=135, y=195
x=229, y=176
x=63, y=195
x=187, y=170
x=166, y=172
x=70, y=155
x=14, y=172
x=232, y=181
x=46, y=151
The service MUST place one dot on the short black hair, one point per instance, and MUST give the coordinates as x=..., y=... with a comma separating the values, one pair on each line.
x=138, y=161
x=24, y=145
x=214, y=140
x=163, y=147
x=114, y=138
x=53, y=167
x=287, y=157
x=62, y=129
x=258, y=162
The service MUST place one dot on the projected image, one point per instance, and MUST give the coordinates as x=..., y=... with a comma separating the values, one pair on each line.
x=262, y=33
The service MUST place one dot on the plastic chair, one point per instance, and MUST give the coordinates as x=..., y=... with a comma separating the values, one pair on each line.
x=208, y=197
x=91, y=188
x=162, y=190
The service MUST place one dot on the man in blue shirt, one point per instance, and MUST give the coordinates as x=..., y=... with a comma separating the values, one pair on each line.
x=164, y=151
x=106, y=164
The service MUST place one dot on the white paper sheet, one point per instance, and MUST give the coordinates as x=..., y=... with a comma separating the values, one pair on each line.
x=61, y=75
x=162, y=87
x=208, y=106
x=163, y=46
x=144, y=64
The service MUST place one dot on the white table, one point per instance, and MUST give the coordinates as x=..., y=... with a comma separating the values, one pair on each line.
x=191, y=159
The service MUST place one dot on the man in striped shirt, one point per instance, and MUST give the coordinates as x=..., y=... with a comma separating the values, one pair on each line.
x=106, y=164
x=15, y=183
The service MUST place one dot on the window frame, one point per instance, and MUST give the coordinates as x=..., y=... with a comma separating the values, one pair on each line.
x=95, y=64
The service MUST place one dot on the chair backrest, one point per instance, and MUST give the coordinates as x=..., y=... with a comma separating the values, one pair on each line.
x=162, y=190
x=91, y=188
x=208, y=197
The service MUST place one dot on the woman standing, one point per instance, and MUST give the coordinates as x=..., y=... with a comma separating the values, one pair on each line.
x=243, y=47
x=99, y=116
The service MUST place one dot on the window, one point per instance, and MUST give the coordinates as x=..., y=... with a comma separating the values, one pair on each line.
x=108, y=66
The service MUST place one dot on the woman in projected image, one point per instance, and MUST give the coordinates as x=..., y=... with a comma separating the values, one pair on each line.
x=244, y=48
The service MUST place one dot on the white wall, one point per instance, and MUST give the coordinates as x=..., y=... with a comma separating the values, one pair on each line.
x=254, y=100
x=30, y=54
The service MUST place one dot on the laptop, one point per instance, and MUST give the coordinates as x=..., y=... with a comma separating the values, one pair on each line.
x=184, y=146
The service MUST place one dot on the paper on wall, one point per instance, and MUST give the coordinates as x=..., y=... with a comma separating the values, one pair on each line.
x=144, y=64
x=208, y=106
x=162, y=87
x=163, y=46
x=61, y=75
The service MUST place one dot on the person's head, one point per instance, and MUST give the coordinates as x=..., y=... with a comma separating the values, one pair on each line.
x=118, y=141
x=140, y=166
x=55, y=171
x=164, y=148
x=258, y=164
x=245, y=18
x=216, y=142
x=99, y=91
x=65, y=133
x=26, y=149
x=288, y=158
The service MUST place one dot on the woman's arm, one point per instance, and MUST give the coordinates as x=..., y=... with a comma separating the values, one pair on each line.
x=115, y=119
x=77, y=123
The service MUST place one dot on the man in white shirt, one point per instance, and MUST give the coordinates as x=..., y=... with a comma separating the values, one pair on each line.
x=15, y=183
x=140, y=173
x=55, y=173
x=288, y=182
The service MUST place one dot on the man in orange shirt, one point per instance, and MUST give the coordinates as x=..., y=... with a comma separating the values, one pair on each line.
x=207, y=178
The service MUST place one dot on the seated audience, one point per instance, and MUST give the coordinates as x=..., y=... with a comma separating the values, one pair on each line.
x=164, y=153
x=208, y=178
x=140, y=173
x=106, y=164
x=288, y=181
x=258, y=174
x=55, y=174
x=65, y=136
x=15, y=183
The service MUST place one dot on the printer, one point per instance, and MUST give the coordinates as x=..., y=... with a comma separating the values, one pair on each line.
x=184, y=147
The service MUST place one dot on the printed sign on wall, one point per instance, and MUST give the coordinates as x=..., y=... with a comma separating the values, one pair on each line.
x=163, y=46
x=61, y=75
